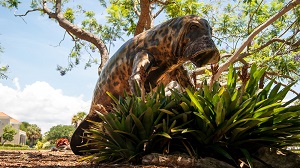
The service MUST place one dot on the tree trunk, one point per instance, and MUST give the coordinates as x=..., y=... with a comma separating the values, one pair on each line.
x=31, y=142
x=144, y=18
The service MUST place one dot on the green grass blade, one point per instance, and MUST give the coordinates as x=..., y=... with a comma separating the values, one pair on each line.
x=248, y=157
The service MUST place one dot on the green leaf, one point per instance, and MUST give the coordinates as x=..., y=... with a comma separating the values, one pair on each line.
x=248, y=157
x=274, y=91
x=166, y=111
x=262, y=110
x=220, y=114
x=148, y=121
x=140, y=127
x=172, y=126
x=130, y=135
x=221, y=151
x=205, y=119
x=185, y=107
x=164, y=134
x=195, y=101
x=113, y=97
x=231, y=77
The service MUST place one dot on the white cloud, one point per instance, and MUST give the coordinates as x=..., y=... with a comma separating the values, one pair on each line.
x=16, y=83
x=40, y=104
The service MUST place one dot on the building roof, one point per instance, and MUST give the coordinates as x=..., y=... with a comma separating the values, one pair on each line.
x=3, y=114
x=12, y=120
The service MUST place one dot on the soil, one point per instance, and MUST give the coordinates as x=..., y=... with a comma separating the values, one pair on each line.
x=45, y=159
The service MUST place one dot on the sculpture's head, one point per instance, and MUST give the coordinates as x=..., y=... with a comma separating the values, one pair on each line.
x=194, y=40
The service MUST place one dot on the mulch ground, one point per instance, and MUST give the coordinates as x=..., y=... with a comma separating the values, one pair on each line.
x=45, y=159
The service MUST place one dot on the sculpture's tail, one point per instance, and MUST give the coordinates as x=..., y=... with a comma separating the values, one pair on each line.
x=77, y=140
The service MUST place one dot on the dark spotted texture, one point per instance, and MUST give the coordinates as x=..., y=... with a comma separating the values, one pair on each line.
x=161, y=51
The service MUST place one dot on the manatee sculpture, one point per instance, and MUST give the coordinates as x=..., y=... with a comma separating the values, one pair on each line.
x=160, y=53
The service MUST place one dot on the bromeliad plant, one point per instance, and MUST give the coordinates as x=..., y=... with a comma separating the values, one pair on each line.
x=230, y=122
x=133, y=128
x=234, y=121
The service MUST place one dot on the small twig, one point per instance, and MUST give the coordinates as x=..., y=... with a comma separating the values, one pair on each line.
x=251, y=16
x=60, y=40
x=157, y=13
x=269, y=43
x=280, y=75
x=21, y=16
x=222, y=41
x=296, y=21
x=73, y=38
x=29, y=11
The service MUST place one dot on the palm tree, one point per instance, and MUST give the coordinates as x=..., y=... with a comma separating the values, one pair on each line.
x=33, y=133
x=77, y=118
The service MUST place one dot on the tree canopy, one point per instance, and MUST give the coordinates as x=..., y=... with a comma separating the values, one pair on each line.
x=33, y=132
x=59, y=131
x=246, y=31
x=8, y=133
x=24, y=125
x=77, y=118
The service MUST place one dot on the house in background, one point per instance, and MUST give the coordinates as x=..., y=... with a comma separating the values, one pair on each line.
x=20, y=137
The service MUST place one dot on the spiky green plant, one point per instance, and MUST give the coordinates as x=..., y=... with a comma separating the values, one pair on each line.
x=230, y=121
x=235, y=121
x=133, y=128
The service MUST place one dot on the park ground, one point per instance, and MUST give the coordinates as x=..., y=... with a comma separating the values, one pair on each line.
x=46, y=158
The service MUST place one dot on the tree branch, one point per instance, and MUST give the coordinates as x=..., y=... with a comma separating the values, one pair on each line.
x=78, y=32
x=158, y=12
x=225, y=55
x=236, y=54
x=250, y=20
x=296, y=20
x=58, y=6
x=296, y=44
x=61, y=40
x=136, y=11
x=280, y=75
x=270, y=42
x=29, y=11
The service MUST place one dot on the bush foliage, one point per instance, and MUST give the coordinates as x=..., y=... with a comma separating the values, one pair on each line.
x=226, y=122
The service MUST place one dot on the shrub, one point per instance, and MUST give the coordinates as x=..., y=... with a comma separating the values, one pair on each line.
x=39, y=145
x=226, y=122
x=47, y=145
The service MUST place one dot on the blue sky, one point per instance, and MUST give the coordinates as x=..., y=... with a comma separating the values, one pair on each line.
x=35, y=92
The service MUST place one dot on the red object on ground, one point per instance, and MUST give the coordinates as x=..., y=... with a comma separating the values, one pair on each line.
x=62, y=141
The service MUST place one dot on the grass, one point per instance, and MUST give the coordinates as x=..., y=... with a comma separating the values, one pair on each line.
x=25, y=147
